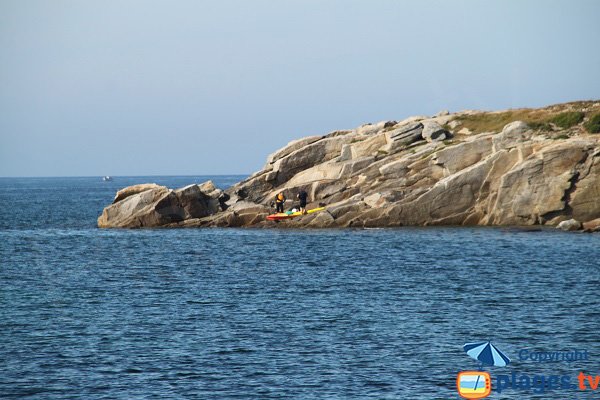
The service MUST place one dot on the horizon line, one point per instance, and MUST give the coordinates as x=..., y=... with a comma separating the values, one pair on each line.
x=117, y=176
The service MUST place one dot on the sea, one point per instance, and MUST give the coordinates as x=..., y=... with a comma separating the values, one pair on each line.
x=224, y=313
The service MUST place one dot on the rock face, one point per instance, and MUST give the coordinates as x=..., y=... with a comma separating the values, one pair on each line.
x=135, y=189
x=592, y=226
x=150, y=205
x=420, y=171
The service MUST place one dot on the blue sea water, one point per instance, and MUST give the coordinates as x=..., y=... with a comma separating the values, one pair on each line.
x=273, y=314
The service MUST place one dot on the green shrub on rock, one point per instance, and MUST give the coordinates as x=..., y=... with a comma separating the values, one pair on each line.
x=541, y=126
x=593, y=125
x=567, y=119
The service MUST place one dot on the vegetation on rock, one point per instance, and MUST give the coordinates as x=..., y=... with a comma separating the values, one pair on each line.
x=567, y=119
x=593, y=125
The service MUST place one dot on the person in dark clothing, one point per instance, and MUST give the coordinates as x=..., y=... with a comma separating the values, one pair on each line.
x=302, y=196
x=279, y=200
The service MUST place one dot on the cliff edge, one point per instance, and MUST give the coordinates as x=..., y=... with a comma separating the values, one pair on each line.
x=515, y=167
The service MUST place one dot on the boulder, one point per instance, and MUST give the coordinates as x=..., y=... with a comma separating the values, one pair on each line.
x=512, y=134
x=196, y=203
x=153, y=207
x=218, y=198
x=135, y=189
x=515, y=128
x=209, y=188
x=570, y=225
x=432, y=131
x=592, y=226
x=403, y=136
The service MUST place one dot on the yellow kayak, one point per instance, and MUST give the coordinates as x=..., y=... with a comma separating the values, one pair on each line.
x=289, y=214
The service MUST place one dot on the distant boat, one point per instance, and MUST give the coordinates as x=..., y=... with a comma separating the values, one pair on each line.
x=107, y=178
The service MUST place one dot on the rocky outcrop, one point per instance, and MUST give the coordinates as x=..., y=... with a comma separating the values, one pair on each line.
x=151, y=205
x=449, y=169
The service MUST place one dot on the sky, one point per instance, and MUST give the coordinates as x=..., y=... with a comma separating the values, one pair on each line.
x=93, y=88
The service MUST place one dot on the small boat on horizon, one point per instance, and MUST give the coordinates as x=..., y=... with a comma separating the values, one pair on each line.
x=107, y=178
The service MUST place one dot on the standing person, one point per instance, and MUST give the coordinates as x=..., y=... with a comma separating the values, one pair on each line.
x=279, y=200
x=302, y=196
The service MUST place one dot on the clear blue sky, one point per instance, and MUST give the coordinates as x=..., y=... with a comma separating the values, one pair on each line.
x=212, y=87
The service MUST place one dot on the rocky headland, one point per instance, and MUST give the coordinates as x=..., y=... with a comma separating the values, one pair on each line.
x=515, y=167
